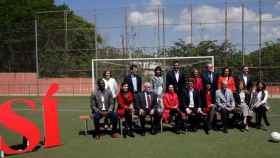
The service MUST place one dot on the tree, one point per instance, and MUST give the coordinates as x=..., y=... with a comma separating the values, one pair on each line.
x=17, y=38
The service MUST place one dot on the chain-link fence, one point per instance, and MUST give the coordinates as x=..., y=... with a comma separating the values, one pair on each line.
x=235, y=32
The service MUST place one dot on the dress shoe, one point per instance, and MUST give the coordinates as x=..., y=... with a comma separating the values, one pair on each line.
x=225, y=131
x=153, y=132
x=130, y=133
x=143, y=133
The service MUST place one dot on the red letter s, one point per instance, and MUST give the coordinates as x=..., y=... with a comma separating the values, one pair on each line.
x=10, y=120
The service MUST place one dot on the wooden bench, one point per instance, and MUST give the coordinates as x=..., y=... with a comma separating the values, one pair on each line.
x=85, y=119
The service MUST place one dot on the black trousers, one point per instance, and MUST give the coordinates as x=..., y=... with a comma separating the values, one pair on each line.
x=225, y=117
x=111, y=115
x=156, y=116
x=261, y=114
x=195, y=118
x=176, y=114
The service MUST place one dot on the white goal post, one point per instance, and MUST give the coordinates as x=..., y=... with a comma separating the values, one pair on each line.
x=110, y=61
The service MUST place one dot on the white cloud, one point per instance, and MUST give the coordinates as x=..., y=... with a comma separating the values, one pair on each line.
x=147, y=17
x=277, y=4
x=155, y=2
x=210, y=20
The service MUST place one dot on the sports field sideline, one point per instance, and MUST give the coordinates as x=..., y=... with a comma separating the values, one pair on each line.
x=254, y=143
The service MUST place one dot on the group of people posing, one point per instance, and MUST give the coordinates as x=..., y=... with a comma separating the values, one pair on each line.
x=188, y=102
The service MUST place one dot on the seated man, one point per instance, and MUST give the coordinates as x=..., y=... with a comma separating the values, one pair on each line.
x=225, y=104
x=191, y=106
x=146, y=104
x=102, y=106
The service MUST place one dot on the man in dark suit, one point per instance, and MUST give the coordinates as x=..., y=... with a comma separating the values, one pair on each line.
x=245, y=77
x=209, y=76
x=191, y=105
x=147, y=104
x=134, y=81
x=176, y=78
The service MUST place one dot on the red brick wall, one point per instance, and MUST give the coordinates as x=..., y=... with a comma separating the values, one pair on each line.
x=27, y=84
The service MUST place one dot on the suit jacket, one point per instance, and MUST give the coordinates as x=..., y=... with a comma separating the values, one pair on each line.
x=96, y=101
x=140, y=101
x=185, y=99
x=249, y=81
x=128, y=79
x=238, y=100
x=206, y=79
x=226, y=100
x=171, y=79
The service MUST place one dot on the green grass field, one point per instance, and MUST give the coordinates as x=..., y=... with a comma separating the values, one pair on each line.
x=252, y=144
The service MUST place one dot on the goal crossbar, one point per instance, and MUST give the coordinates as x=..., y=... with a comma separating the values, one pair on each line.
x=144, y=59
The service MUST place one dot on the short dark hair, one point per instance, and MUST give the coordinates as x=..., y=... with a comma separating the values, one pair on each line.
x=243, y=66
x=133, y=66
x=176, y=61
x=121, y=88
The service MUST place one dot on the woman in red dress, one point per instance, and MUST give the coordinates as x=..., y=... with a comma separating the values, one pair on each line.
x=125, y=108
x=198, y=83
x=227, y=76
x=208, y=103
x=171, y=107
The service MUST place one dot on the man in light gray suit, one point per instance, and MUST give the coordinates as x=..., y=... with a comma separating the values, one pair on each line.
x=225, y=104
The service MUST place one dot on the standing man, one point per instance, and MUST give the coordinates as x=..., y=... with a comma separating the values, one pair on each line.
x=209, y=76
x=102, y=106
x=176, y=78
x=225, y=104
x=146, y=104
x=134, y=80
x=245, y=77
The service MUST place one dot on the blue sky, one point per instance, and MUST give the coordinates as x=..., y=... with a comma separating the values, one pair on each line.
x=142, y=20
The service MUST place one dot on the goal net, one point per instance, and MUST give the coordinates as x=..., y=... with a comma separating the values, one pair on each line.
x=120, y=68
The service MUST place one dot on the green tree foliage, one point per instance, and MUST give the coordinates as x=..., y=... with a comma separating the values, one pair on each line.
x=59, y=51
x=226, y=54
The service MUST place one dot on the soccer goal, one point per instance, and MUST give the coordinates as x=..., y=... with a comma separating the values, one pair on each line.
x=146, y=66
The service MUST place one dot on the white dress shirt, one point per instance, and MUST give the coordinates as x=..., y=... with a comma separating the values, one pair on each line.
x=191, y=98
x=177, y=76
x=134, y=82
x=245, y=80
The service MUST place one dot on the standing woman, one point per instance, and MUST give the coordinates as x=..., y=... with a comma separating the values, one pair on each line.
x=198, y=83
x=261, y=106
x=111, y=84
x=157, y=83
x=241, y=100
x=227, y=76
x=171, y=107
x=125, y=100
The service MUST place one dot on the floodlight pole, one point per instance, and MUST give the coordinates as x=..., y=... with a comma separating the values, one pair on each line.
x=260, y=39
x=191, y=23
x=36, y=46
x=36, y=54
x=242, y=41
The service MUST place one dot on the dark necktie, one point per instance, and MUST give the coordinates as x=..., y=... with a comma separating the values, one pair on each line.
x=149, y=101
